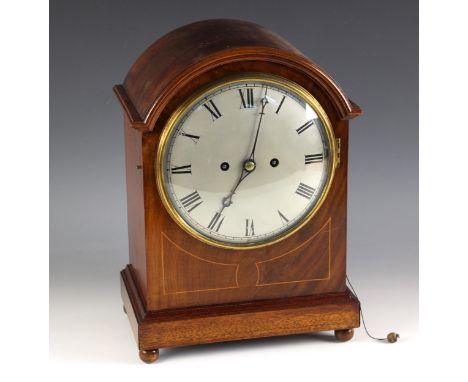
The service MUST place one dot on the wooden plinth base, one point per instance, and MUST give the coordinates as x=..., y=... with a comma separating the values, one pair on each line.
x=236, y=321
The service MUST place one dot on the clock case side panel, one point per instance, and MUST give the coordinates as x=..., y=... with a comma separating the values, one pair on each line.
x=135, y=206
x=145, y=216
x=336, y=205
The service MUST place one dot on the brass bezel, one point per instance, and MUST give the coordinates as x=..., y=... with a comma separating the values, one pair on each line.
x=174, y=119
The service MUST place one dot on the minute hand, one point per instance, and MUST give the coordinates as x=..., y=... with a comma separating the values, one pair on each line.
x=264, y=101
x=227, y=201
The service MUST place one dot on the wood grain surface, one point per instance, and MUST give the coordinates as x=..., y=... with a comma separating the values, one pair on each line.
x=173, y=275
x=236, y=321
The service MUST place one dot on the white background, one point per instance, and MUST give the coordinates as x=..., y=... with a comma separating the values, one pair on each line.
x=438, y=351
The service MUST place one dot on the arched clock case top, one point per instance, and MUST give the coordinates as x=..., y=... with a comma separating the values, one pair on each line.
x=173, y=276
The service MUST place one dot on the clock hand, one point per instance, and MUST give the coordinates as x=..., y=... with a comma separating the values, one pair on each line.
x=227, y=201
x=264, y=102
x=247, y=169
x=249, y=164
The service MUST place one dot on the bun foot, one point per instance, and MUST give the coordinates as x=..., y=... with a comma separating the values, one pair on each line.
x=149, y=356
x=344, y=334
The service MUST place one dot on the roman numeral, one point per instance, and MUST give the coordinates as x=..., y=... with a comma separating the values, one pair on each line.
x=190, y=200
x=182, y=169
x=194, y=138
x=214, y=112
x=305, y=126
x=246, y=98
x=249, y=227
x=305, y=191
x=281, y=104
x=313, y=158
x=283, y=218
x=215, y=221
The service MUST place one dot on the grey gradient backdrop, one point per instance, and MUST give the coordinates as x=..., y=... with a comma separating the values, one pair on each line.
x=369, y=47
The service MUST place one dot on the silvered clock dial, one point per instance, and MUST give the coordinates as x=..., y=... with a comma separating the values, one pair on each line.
x=247, y=162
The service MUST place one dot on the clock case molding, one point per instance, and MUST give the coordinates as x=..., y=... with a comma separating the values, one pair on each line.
x=180, y=291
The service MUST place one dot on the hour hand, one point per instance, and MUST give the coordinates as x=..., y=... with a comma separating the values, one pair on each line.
x=227, y=201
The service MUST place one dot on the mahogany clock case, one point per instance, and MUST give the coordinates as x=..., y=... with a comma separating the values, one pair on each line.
x=92, y=47
x=170, y=270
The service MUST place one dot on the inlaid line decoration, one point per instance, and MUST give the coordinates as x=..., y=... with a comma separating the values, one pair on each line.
x=321, y=230
x=166, y=292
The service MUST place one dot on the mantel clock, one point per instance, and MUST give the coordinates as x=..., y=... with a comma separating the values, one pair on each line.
x=236, y=159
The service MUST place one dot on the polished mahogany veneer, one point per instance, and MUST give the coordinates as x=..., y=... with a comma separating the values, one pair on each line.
x=178, y=290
